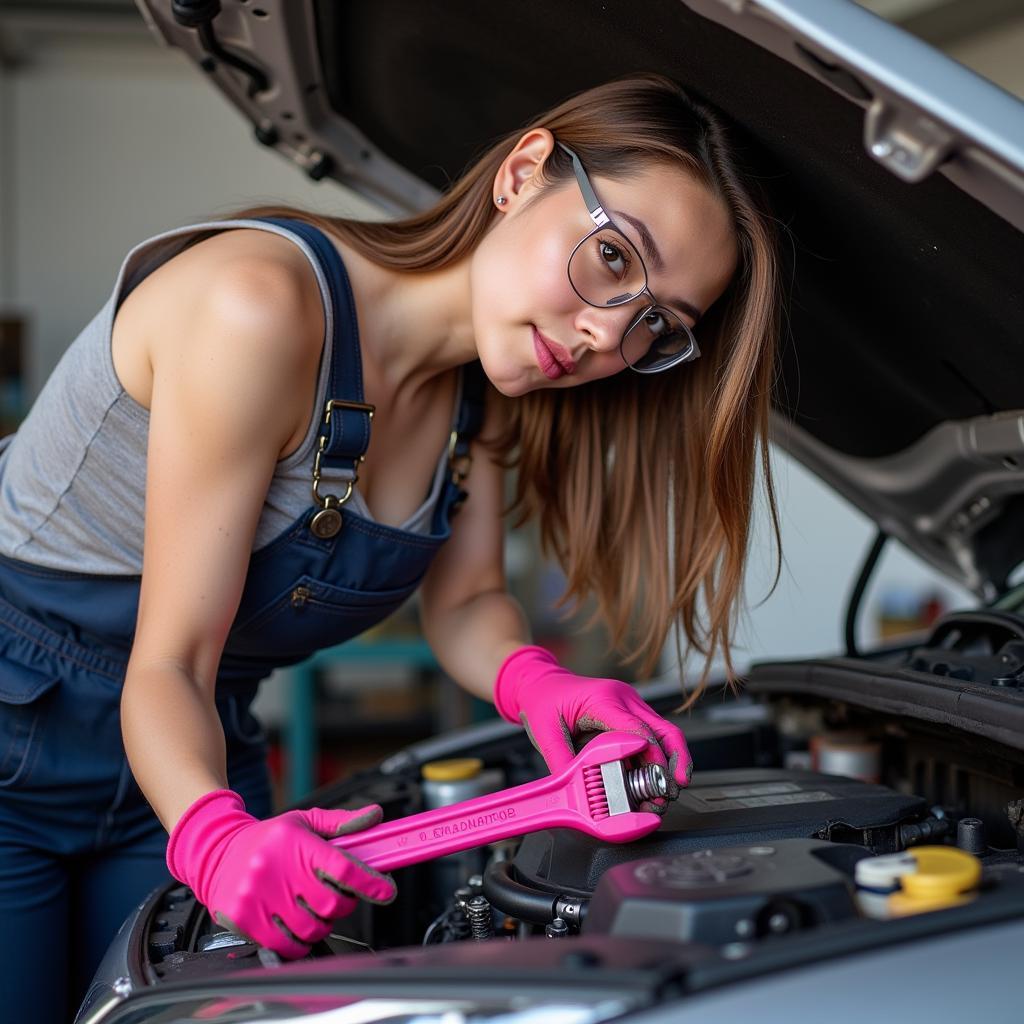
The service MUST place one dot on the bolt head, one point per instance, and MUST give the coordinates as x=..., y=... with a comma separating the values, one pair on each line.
x=735, y=950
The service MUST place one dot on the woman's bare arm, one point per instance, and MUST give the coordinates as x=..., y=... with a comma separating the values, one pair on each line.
x=228, y=386
x=468, y=617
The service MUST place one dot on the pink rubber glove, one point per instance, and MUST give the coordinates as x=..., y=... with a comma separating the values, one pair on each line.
x=275, y=882
x=554, y=704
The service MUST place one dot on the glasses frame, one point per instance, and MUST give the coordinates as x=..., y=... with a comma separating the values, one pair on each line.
x=601, y=221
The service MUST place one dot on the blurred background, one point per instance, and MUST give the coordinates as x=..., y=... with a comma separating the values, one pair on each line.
x=106, y=139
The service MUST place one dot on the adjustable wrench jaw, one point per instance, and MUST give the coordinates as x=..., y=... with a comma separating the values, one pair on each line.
x=606, y=758
x=607, y=746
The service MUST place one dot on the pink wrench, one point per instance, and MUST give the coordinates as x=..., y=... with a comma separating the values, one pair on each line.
x=595, y=793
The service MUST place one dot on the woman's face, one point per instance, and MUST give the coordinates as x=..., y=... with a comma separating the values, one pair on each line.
x=524, y=307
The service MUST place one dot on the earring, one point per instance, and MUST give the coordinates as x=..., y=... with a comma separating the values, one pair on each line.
x=502, y=200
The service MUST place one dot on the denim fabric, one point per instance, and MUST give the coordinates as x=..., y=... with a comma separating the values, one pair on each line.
x=79, y=845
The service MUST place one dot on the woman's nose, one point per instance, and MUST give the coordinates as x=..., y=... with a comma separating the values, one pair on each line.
x=603, y=327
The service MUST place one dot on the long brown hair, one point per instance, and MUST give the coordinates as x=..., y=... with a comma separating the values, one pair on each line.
x=642, y=485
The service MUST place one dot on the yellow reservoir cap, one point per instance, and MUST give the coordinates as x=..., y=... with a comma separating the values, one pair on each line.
x=458, y=769
x=942, y=871
x=899, y=904
x=945, y=877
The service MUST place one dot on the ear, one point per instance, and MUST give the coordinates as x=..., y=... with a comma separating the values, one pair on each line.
x=522, y=165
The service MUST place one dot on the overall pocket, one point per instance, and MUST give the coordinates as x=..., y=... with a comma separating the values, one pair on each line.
x=310, y=615
x=24, y=702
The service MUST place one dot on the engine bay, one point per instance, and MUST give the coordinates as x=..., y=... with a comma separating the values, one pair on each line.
x=802, y=816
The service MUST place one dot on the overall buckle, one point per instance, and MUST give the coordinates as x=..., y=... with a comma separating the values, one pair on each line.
x=326, y=523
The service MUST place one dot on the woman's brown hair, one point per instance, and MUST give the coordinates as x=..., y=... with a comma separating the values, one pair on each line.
x=642, y=485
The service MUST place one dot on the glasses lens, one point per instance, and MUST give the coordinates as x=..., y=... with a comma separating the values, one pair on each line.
x=658, y=339
x=606, y=270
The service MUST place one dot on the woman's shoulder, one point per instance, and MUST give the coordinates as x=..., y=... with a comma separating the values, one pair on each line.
x=268, y=272
x=248, y=272
x=256, y=286
x=258, y=276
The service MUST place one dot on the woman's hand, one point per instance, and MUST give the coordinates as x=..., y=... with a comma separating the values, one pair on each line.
x=554, y=704
x=277, y=882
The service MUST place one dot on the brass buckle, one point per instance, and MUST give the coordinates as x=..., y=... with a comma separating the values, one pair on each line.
x=341, y=403
x=325, y=500
x=460, y=465
x=327, y=522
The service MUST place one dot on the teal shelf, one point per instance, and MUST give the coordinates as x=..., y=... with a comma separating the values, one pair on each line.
x=300, y=724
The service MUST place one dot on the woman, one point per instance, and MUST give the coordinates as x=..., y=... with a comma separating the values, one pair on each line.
x=160, y=552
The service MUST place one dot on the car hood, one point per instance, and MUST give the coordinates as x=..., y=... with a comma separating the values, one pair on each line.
x=898, y=173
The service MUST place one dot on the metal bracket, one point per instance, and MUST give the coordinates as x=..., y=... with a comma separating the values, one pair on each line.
x=292, y=114
x=736, y=6
x=905, y=142
x=934, y=496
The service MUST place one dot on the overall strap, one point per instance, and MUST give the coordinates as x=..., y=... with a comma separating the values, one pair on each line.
x=345, y=428
x=468, y=422
x=345, y=433
x=467, y=425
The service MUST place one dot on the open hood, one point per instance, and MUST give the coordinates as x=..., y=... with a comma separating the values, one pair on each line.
x=899, y=173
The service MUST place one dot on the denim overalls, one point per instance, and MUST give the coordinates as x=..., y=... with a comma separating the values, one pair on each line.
x=79, y=845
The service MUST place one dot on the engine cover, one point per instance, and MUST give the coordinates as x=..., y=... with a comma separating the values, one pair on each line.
x=727, y=894
x=725, y=808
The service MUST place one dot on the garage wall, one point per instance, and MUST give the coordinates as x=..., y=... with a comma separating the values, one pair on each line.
x=824, y=542
x=106, y=142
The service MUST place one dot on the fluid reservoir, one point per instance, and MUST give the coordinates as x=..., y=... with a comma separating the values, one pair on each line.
x=847, y=753
x=925, y=878
x=878, y=878
x=945, y=877
x=450, y=782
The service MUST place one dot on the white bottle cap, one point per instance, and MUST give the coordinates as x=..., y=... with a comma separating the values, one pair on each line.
x=883, y=873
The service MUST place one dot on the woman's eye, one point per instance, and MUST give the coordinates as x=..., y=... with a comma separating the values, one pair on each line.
x=656, y=323
x=613, y=257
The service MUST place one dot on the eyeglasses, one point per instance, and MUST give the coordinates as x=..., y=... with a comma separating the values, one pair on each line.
x=605, y=270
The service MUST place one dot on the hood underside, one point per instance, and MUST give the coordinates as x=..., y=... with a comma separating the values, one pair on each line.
x=898, y=174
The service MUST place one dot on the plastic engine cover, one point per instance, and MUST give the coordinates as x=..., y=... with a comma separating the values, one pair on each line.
x=727, y=894
x=725, y=808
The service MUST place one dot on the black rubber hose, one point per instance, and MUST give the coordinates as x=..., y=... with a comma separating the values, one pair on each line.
x=927, y=831
x=199, y=14
x=258, y=81
x=514, y=898
x=853, y=607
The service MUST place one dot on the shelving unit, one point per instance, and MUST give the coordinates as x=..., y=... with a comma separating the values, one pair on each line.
x=307, y=719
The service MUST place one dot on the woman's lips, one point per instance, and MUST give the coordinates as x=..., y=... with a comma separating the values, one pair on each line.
x=553, y=360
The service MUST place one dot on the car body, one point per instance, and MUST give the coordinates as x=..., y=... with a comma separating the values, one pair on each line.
x=900, y=176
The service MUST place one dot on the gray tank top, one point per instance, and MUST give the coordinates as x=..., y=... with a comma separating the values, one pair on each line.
x=73, y=478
